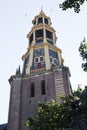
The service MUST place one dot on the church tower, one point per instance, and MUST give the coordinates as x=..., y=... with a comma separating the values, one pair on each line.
x=44, y=75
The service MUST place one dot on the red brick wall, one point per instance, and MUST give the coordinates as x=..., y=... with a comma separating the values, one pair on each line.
x=22, y=105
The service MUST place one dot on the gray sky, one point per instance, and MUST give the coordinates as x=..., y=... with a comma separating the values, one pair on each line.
x=16, y=21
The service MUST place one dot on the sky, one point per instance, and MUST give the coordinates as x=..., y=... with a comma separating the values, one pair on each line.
x=15, y=23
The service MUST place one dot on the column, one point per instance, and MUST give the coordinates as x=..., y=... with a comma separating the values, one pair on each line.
x=36, y=21
x=45, y=40
x=47, y=60
x=54, y=38
x=33, y=37
x=59, y=57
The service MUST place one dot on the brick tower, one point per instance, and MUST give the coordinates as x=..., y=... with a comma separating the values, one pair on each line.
x=44, y=76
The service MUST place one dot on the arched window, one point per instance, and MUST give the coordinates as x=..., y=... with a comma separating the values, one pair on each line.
x=32, y=90
x=43, y=89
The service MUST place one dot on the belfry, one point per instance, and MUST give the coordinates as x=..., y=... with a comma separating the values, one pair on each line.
x=44, y=76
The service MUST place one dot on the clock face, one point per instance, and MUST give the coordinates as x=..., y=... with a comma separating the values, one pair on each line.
x=38, y=52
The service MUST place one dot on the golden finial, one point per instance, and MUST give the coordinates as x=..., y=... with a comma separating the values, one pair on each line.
x=41, y=12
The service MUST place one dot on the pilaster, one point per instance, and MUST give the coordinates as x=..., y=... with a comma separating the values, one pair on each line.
x=34, y=37
x=47, y=60
x=59, y=56
x=45, y=40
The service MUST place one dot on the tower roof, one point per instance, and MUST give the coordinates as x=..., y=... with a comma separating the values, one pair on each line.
x=41, y=14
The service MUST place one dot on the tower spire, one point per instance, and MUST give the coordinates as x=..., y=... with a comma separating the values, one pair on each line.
x=42, y=12
x=41, y=8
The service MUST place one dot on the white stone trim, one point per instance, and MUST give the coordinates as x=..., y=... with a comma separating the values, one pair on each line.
x=30, y=61
x=59, y=56
x=47, y=60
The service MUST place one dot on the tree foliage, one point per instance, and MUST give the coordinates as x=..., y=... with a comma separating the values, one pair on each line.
x=75, y=4
x=71, y=114
x=83, y=53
